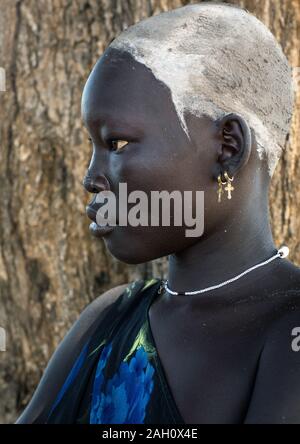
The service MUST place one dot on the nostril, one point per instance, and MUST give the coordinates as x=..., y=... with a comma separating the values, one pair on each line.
x=97, y=185
x=92, y=187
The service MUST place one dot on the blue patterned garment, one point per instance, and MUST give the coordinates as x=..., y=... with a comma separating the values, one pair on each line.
x=127, y=393
x=118, y=377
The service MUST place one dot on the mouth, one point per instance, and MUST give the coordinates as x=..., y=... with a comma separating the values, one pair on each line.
x=96, y=229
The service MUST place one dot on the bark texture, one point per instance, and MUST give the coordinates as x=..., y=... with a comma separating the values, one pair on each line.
x=49, y=268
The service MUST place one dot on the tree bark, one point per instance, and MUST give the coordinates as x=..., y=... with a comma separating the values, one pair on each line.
x=49, y=267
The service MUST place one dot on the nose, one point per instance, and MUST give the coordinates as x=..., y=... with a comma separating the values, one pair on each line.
x=95, y=183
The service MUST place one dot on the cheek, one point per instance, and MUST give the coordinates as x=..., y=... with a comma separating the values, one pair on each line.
x=158, y=167
x=146, y=243
x=143, y=167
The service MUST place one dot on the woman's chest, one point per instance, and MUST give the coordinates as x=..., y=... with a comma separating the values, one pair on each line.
x=210, y=368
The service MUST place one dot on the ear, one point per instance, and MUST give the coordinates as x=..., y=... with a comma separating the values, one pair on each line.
x=235, y=143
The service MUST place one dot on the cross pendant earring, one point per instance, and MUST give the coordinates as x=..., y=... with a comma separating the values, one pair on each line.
x=228, y=187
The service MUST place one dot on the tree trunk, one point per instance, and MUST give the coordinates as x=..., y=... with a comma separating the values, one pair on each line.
x=49, y=267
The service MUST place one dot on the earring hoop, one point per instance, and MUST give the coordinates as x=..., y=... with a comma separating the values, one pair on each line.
x=227, y=177
x=220, y=181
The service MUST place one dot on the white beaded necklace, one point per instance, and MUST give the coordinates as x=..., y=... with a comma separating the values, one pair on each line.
x=282, y=253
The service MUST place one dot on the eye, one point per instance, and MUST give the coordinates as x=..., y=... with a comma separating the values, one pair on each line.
x=118, y=144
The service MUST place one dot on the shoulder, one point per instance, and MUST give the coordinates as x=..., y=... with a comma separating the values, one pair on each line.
x=289, y=273
x=65, y=355
x=276, y=394
x=100, y=305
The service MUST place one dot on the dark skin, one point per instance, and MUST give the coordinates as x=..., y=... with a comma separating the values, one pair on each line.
x=226, y=353
x=234, y=343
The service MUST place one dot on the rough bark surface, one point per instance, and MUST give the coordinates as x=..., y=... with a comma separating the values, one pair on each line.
x=49, y=267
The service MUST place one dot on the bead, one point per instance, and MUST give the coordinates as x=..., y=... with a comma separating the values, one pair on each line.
x=284, y=251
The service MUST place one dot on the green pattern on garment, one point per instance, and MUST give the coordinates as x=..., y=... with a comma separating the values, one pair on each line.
x=148, y=283
x=97, y=348
x=128, y=290
x=141, y=339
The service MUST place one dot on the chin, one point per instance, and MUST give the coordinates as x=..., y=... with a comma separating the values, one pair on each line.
x=133, y=249
x=128, y=254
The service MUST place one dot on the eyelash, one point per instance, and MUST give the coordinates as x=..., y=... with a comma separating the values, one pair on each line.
x=113, y=140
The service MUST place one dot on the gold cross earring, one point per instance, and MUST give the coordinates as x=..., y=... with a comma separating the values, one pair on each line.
x=229, y=187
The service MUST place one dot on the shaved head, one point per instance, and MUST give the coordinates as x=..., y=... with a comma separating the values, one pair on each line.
x=216, y=59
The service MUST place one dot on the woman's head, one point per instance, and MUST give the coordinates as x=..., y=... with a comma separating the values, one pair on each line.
x=196, y=91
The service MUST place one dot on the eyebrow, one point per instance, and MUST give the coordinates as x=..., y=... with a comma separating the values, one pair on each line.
x=117, y=122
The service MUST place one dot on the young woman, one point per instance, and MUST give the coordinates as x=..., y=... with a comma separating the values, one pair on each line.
x=198, y=98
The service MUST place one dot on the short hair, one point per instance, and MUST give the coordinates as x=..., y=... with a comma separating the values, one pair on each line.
x=216, y=58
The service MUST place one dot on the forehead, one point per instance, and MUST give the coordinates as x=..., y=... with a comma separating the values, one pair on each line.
x=119, y=86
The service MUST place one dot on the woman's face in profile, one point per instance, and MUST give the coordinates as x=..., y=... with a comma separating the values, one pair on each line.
x=122, y=100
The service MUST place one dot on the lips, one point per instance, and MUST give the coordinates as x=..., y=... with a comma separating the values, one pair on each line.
x=98, y=231
x=91, y=213
x=95, y=229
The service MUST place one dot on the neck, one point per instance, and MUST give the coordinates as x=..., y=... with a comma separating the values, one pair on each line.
x=236, y=246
